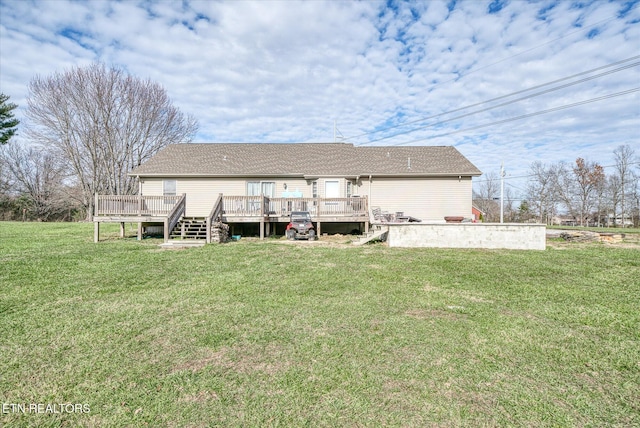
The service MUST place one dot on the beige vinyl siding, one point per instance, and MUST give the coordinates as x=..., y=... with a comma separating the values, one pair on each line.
x=151, y=186
x=429, y=199
x=293, y=185
x=203, y=192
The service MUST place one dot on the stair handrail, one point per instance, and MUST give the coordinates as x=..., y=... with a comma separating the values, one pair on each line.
x=174, y=216
x=215, y=214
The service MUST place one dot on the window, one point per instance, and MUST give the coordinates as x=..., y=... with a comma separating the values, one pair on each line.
x=314, y=189
x=349, y=188
x=256, y=188
x=169, y=187
x=269, y=189
x=253, y=188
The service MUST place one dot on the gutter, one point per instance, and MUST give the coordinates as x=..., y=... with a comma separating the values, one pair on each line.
x=308, y=176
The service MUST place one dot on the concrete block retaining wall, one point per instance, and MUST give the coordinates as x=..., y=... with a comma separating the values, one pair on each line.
x=513, y=236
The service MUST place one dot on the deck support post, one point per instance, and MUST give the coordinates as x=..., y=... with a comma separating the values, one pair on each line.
x=319, y=229
x=122, y=229
x=262, y=200
x=139, y=231
x=96, y=231
x=166, y=230
x=366, y=227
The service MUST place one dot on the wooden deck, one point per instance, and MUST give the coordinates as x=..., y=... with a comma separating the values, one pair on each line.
x=228, y=209
x=137, y=209
x=243, y=209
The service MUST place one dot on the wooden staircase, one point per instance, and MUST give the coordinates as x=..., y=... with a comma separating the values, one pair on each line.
x=378, y=232
x=192, y=228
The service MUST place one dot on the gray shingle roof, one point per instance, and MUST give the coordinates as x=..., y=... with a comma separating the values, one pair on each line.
x=307, y=159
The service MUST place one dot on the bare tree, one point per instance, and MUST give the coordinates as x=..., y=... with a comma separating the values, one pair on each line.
x=486, y=194
x=624, y=157
x=577, y=187
x=589, y=176
x=103, y=122
x=511, y=213
x=541, y=190
x=613, y=190
x=635, y=198
x=37, y=180
x=6, y=201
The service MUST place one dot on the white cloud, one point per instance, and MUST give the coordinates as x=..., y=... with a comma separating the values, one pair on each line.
x=284, y=71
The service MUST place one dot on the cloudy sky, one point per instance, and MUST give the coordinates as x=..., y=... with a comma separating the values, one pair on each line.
x=503, y=81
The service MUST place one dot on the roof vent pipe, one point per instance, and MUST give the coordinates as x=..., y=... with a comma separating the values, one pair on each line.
x=409, y=163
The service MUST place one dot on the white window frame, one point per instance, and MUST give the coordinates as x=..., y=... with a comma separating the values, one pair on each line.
x=166, y=187
x=254, y=206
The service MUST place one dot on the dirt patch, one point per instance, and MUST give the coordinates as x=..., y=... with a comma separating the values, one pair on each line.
x=322, y=241
x=212, y=359
x=241, y=359
x=199, y=397
x=473, y=298
x=422, y=314
x=560, y=244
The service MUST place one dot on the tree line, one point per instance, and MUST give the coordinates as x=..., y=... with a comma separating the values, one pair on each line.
x=86, y=129
x=580, y=193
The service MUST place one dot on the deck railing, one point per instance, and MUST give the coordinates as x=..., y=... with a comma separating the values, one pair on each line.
x=231, y=206
x=173, y=217
x=134, y=205
x=251, y=206
x=242, y=206
x=215, y=215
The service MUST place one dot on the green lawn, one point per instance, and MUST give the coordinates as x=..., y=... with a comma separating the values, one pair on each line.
x=273, y=334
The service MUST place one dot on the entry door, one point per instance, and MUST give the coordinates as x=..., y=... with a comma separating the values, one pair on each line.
x=332, y=189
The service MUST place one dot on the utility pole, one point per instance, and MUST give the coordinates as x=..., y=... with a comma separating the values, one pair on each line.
x=502, y=192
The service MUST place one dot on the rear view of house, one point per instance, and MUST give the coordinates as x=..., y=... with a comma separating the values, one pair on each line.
x=344, y=187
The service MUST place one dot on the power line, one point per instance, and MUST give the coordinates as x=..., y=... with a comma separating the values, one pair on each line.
x=582, y=29
x=524, y=116
x=505, y=96
x=486, y=180
x=546, y=91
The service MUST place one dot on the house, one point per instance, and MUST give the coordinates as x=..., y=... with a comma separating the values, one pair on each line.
x=477, y=214
x=254, y=187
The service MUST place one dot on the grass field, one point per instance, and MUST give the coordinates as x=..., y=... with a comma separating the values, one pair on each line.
x=277, y=334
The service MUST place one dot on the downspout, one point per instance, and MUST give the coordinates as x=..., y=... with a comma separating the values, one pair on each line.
x=140, y=231
x=369, y=196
